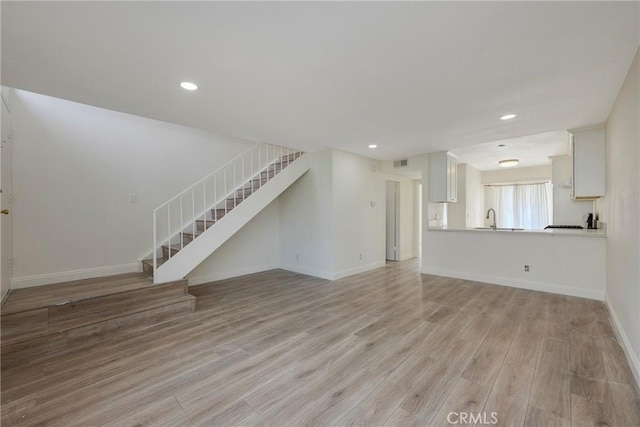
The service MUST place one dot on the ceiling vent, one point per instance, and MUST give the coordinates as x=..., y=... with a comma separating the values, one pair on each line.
x=400, y=163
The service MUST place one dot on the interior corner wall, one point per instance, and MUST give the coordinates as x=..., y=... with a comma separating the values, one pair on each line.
x=408, y=233
x=621, y=212
x=565, y=210
x=74, y=169
x=254, y=248
x=475, y=198
x=358, y=189
x=457, y=211
x=306, y=220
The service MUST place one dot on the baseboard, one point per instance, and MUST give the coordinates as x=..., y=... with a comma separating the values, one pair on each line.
x=4, y=297
x=521, y=284
x=199, y=280
x=632, y=358
x=406, y=257
x=357, y=270
x=67, y=276
x=308, y=271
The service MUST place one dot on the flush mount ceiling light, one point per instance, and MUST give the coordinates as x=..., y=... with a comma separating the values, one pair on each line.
x=508, y=116
x=188, y=86
x=373, y=146
x=508, y=163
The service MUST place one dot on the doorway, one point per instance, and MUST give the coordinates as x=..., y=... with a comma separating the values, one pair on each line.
x=5, y=197
x=392, y=220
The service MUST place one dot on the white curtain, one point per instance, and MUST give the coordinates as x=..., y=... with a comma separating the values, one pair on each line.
x=522, y=206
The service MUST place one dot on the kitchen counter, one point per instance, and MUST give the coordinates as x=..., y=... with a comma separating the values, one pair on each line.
x=548, y=232
x=563, y=261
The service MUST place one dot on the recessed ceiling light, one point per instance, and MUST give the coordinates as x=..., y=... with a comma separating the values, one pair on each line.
x=508, y=163
x=188, y=86
x=373, y=146
x=508, y=116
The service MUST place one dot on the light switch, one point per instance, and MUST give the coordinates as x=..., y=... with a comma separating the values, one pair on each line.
x=133, y=198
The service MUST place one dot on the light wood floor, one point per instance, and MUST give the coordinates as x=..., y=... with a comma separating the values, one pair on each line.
x=41, y=296
x=388, y=347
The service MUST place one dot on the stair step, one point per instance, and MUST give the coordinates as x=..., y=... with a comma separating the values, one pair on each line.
x=200, y=225
x=55, y=318
x=232, y=203
x=18, y=351
x=147, y=264
x=189, y=237
x=175, y=248
x=43, y=296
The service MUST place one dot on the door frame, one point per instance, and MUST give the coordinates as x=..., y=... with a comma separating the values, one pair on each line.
x=6, y=132
x=396, y=210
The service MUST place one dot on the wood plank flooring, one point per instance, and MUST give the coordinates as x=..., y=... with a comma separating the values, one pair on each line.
x=386, y=347
x=42, y=296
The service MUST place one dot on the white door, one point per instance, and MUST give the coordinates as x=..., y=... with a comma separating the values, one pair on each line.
x=392, y=221
x=5, y=194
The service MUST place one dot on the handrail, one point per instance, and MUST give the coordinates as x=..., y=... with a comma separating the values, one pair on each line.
x=207, y=176
x=207, y=200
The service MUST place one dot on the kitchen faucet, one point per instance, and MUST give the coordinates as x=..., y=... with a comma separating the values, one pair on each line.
x=493, y=227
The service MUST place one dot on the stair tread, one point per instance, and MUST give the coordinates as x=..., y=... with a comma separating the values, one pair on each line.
x=27, y=299
x=174, y=246
x=149, y=261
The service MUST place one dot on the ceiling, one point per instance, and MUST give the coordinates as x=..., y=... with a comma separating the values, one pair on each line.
x=533, y=150
x=411, y=77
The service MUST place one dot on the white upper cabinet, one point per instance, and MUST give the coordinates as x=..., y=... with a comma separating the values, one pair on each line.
x=443, y=177
x=588, y=151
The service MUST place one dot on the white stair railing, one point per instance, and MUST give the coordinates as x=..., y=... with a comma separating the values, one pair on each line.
x=233, y=180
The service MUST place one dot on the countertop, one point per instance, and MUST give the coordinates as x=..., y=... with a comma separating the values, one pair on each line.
x=548, y=232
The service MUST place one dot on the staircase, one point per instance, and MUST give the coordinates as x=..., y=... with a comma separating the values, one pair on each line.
x=196, y=222
x=41, y=321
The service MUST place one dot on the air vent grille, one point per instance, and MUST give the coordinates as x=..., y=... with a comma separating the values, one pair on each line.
x=400, y=163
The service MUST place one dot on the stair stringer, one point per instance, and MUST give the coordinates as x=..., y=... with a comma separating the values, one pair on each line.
x=209, y=241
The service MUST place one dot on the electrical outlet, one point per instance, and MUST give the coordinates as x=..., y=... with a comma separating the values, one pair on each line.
x=11, y=262
x=526, y=268
x=361, y=257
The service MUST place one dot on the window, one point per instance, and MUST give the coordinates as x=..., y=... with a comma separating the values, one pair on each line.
x=525, y=206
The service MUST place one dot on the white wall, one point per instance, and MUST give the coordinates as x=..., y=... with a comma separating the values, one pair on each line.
x=621, y=212
x=306, y=220
x=565, y=210
x=457, y=212
x=417, y=219
x=359, y=227
x=557, y=263
x=468, y=210
x=408, y=231
x=517, y=175
x=475, y=198
x=252, y=249
x=74, y=168
x=328, y=227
